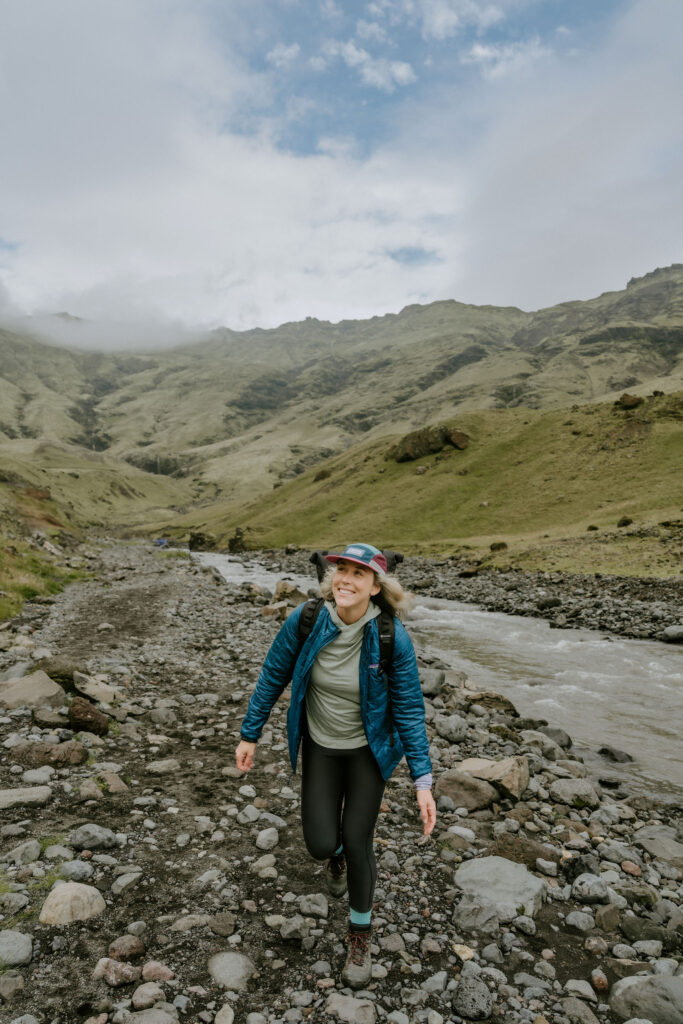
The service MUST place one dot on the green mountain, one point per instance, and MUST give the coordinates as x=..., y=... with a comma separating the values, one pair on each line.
x=195, y=433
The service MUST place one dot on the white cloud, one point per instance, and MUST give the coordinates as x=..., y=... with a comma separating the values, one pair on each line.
x=283, y=56
x=329, y=9
x=377, y=72
x=438, y=19
x=501, y=59
x=370, y=30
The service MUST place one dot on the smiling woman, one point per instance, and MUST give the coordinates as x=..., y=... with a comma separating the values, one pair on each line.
x=355, y=715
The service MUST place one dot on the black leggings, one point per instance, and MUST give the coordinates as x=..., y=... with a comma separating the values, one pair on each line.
x=341, y=793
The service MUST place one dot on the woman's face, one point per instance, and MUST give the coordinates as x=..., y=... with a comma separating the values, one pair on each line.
x=353, y=586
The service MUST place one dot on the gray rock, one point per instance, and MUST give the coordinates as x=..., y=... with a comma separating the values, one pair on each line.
x=16, y=948
x=464, y=790
x=25, y=853
x=432, y=680
x=267, y=839
x=12, y=902
x=473, y=914
x=38, y=776
x=125, y=882
x=581, y=989
x=510, y=888
x=314, y=905
x=472, y=999
x=578, y=1012
x=76, y=870
x=351, y=1010
x=155, y=1015
x=672, y=634
x=588, y=888
x=451, y=727
x=164, y=767
x=231, y=970
x=575, y=792
x=26, y=1018
x=24, y=796
x=36, y=690
x=580, y=921
x=389, y=861
x=660, y=842
x=93, y=837
x=648, y=947
x=657, y=997
x=294, y=928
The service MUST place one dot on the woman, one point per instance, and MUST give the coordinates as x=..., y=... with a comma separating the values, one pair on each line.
x=354, y=723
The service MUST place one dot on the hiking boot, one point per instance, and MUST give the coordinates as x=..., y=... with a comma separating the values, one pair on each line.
x=335, y=873
x=357, y=971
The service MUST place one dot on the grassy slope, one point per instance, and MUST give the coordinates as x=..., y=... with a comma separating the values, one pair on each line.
x=526, y=474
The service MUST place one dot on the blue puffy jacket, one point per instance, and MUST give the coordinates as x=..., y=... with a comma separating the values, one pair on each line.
x=393, y=717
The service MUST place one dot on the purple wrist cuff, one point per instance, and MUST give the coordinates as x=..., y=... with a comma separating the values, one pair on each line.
x=424, y=782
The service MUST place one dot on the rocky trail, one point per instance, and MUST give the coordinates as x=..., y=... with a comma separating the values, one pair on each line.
x=142, y=879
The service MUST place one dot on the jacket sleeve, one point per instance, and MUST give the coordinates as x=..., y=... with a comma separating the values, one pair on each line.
x=275, y=675
x=407, y=704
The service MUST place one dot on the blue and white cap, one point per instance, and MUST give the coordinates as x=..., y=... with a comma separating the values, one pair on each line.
x=362, y=554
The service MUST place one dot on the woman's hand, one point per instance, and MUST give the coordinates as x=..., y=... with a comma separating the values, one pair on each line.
x=425, y=802
x=244, y=755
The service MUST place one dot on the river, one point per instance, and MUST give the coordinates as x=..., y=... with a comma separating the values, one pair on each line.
x=601, y=689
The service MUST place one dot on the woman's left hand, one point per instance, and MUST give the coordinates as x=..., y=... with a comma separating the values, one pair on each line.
x=425, y=802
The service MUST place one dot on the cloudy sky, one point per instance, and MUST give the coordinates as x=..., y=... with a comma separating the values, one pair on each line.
x=249, y=162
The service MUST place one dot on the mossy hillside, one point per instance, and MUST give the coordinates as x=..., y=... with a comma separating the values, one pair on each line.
x=27, y=573
x=64, y=486
x=526, y=473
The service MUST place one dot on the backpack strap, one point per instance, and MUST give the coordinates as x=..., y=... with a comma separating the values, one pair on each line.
x=386, y=639
x=307, y=619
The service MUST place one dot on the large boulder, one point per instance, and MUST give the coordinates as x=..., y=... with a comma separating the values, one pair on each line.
x=660, y=842
x=511, y=775
x=464, y=790
x=575, y=792
x=510, y=888
x=658, y=998
x=72, y=901
x=36, y=690
x=427, y=441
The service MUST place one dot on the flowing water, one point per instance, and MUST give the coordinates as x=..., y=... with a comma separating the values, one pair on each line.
x=601, y=689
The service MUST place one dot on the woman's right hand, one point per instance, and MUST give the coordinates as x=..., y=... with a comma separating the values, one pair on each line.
x=244, y=755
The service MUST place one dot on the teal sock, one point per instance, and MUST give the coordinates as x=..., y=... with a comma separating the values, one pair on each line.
x=364, y=920
x=337, y=852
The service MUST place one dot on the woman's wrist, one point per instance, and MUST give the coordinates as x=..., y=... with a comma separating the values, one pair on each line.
x=424, y=782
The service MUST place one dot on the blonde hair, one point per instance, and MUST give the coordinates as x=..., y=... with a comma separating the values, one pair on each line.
x=391, y=597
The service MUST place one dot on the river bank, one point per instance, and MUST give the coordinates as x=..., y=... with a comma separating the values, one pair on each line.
x=538, y=894
x=640, y=608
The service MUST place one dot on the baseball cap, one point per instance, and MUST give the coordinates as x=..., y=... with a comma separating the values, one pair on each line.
x=362, y=554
